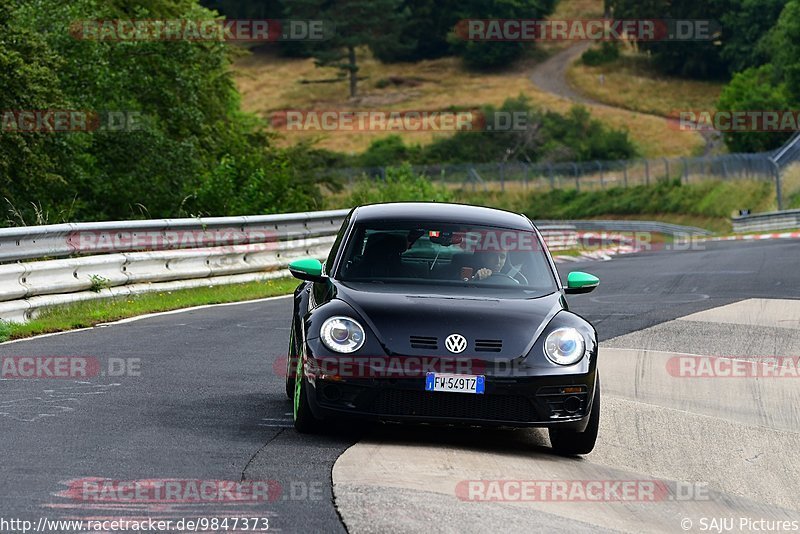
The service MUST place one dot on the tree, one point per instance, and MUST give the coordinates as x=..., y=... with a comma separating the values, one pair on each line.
x=746, y=31
x=376, y=24
x=774, y=86
x=489, y=55
x=424, y=34
x=744, y=24
x=32, y=165
x=784, y=44
x=754, y=90
x=698, y=59
x=191, y=129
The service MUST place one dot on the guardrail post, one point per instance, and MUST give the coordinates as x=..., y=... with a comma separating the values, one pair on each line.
x=525, y=177
x=685, y=170
x=666, y=168
x=473, y=180
x=600, y=168
x=625, y=173
x=778, y=192
x=552, y=176
x=577, y=181
x=646, y=172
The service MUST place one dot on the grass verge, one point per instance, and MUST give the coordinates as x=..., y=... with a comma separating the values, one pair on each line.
x=270, y=83
x=632, y=83
x=91, y=313
x=706, y=204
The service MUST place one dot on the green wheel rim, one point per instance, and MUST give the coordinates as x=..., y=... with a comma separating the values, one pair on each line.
x=297, y=380
x=291, y=353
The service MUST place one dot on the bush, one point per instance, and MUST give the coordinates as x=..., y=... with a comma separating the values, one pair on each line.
x=401, y=183
x=754, y=90
x=387, y=151
x=709, y=199
x=548, y=136
x=608, y=52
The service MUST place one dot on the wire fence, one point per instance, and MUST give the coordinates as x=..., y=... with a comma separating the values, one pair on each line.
x=585, y=175
x=596, y=175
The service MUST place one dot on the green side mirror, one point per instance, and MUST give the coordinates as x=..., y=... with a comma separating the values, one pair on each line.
x=307, y=269
x=578, y=282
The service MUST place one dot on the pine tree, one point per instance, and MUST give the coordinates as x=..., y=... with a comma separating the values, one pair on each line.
x=354, y=24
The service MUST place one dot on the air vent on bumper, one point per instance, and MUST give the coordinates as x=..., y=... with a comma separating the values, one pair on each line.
x=423, y=342
x=488, y=345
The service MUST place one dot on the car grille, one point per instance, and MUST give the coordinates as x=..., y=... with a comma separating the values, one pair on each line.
x=455, y=405
x=488, y=345
x=432, y=343
x=423, y=342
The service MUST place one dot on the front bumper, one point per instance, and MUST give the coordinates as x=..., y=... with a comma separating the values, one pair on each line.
x=538, y=401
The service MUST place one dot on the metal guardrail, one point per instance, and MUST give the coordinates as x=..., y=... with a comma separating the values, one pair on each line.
x=788, y=153
x=559, y=236
x=774, y=220
x=60, y=240
x=633, y=226
x=128, y=257
x=125, y=257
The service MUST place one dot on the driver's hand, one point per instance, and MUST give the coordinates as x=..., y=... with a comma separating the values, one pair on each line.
x=483, y=274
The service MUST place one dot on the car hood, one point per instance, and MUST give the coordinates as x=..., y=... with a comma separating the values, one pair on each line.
x=395, y=314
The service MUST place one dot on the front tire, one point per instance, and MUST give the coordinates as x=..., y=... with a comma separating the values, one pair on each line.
x=291, y=361
x=573, y=443
x=304, y=420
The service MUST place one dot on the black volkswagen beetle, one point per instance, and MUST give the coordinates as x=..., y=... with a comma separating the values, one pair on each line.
x=443, y=313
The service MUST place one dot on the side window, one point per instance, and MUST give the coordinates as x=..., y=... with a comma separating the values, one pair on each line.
x=336, y=244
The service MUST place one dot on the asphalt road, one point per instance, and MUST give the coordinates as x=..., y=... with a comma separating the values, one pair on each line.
x=204, y=402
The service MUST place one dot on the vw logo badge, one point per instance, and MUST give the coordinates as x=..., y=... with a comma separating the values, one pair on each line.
x=455, y=343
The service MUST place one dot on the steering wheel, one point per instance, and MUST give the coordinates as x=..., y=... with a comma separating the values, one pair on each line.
x=502, y=278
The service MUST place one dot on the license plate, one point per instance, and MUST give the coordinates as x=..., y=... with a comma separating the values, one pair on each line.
x=455, y=383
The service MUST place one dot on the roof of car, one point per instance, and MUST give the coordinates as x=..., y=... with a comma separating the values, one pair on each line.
x=441, y=212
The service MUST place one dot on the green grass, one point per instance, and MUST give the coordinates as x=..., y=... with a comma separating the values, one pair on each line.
x=91, y=313
x=707, y=204
x=633, y=82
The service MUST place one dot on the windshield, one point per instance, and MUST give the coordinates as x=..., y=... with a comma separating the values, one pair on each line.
x=460, y=258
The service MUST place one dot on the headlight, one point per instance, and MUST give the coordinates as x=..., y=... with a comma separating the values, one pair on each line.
x=342, y=334
x=564, y=346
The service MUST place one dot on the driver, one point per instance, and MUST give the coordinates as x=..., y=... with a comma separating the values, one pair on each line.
x=493, y=262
